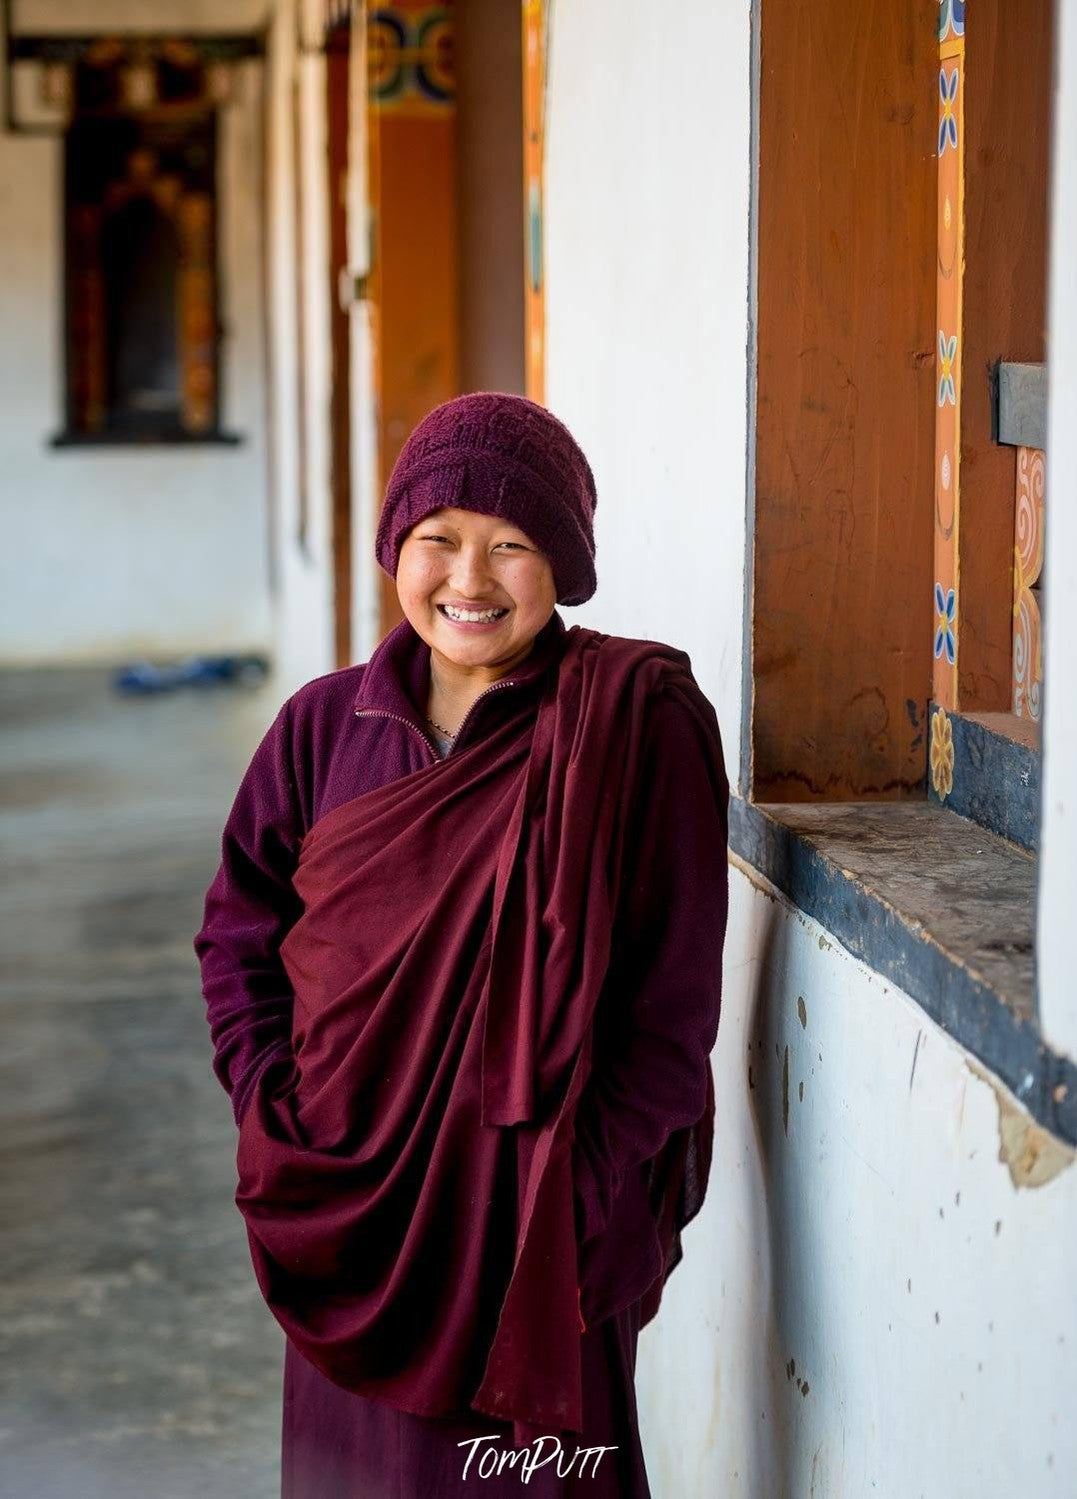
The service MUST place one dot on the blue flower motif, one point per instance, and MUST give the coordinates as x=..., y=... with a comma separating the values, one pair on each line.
x=947, y=355
x=945, y=608
x=948, y=120
x=951, y=18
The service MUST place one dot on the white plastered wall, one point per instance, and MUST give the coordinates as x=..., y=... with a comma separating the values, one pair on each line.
x=366, y=497
x=868, y=1304
x=877, y=1297
x=646, y=247
x=304, y=565
x=113, y=552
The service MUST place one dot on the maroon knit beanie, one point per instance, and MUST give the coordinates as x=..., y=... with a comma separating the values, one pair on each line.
x=501, y=455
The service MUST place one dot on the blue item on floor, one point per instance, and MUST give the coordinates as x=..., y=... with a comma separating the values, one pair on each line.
x=196, y=671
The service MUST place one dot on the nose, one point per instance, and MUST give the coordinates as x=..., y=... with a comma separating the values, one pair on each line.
x=470, y=574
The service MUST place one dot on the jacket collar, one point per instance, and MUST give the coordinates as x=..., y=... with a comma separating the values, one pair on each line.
x=396, y=678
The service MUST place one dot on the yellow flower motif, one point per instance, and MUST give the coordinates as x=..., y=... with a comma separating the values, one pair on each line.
x=948, y=86
x=947, y=370
x=942, y=754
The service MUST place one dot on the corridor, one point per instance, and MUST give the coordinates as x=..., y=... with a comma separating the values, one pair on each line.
x=138, y=1358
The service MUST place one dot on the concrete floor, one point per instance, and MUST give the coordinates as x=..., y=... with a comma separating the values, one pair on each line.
x=136, y=1355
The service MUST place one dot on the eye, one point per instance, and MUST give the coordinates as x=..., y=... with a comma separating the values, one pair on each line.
x=433, y=536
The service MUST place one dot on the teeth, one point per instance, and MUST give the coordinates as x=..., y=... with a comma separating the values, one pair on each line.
x=472, y=614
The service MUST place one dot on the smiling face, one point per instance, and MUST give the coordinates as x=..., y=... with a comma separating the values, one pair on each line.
x=478, y=562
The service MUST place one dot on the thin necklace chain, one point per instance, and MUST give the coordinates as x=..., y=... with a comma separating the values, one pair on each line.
x=501, y=682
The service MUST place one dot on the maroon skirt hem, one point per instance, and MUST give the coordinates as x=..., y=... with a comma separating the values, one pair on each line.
x=353, y=1447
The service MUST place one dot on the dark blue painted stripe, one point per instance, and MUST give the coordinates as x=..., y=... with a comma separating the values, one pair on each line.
x=996, y=781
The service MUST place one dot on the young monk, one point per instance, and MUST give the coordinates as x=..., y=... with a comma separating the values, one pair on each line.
x=462, y=967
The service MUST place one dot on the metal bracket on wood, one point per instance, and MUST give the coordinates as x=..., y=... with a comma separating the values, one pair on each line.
x=352, y=287
x=1022, y=405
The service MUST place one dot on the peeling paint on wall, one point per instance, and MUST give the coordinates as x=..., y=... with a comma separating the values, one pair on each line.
x=1031, y=1153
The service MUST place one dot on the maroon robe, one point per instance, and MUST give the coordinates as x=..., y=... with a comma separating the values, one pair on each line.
x=433, y=1164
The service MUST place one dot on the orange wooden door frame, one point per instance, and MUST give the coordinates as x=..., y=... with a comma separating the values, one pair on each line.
x=412, y=188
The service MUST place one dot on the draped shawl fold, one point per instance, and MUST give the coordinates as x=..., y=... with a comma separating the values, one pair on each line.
x=405, y=1174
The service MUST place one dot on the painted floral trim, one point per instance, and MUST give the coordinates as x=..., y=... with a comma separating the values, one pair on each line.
x=951, y=18
x=947, y=356
x=945, y=609
x=948, y=83
x=942, y=754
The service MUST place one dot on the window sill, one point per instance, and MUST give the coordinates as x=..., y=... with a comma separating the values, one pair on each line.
x=939, y=905
x=145, y=439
